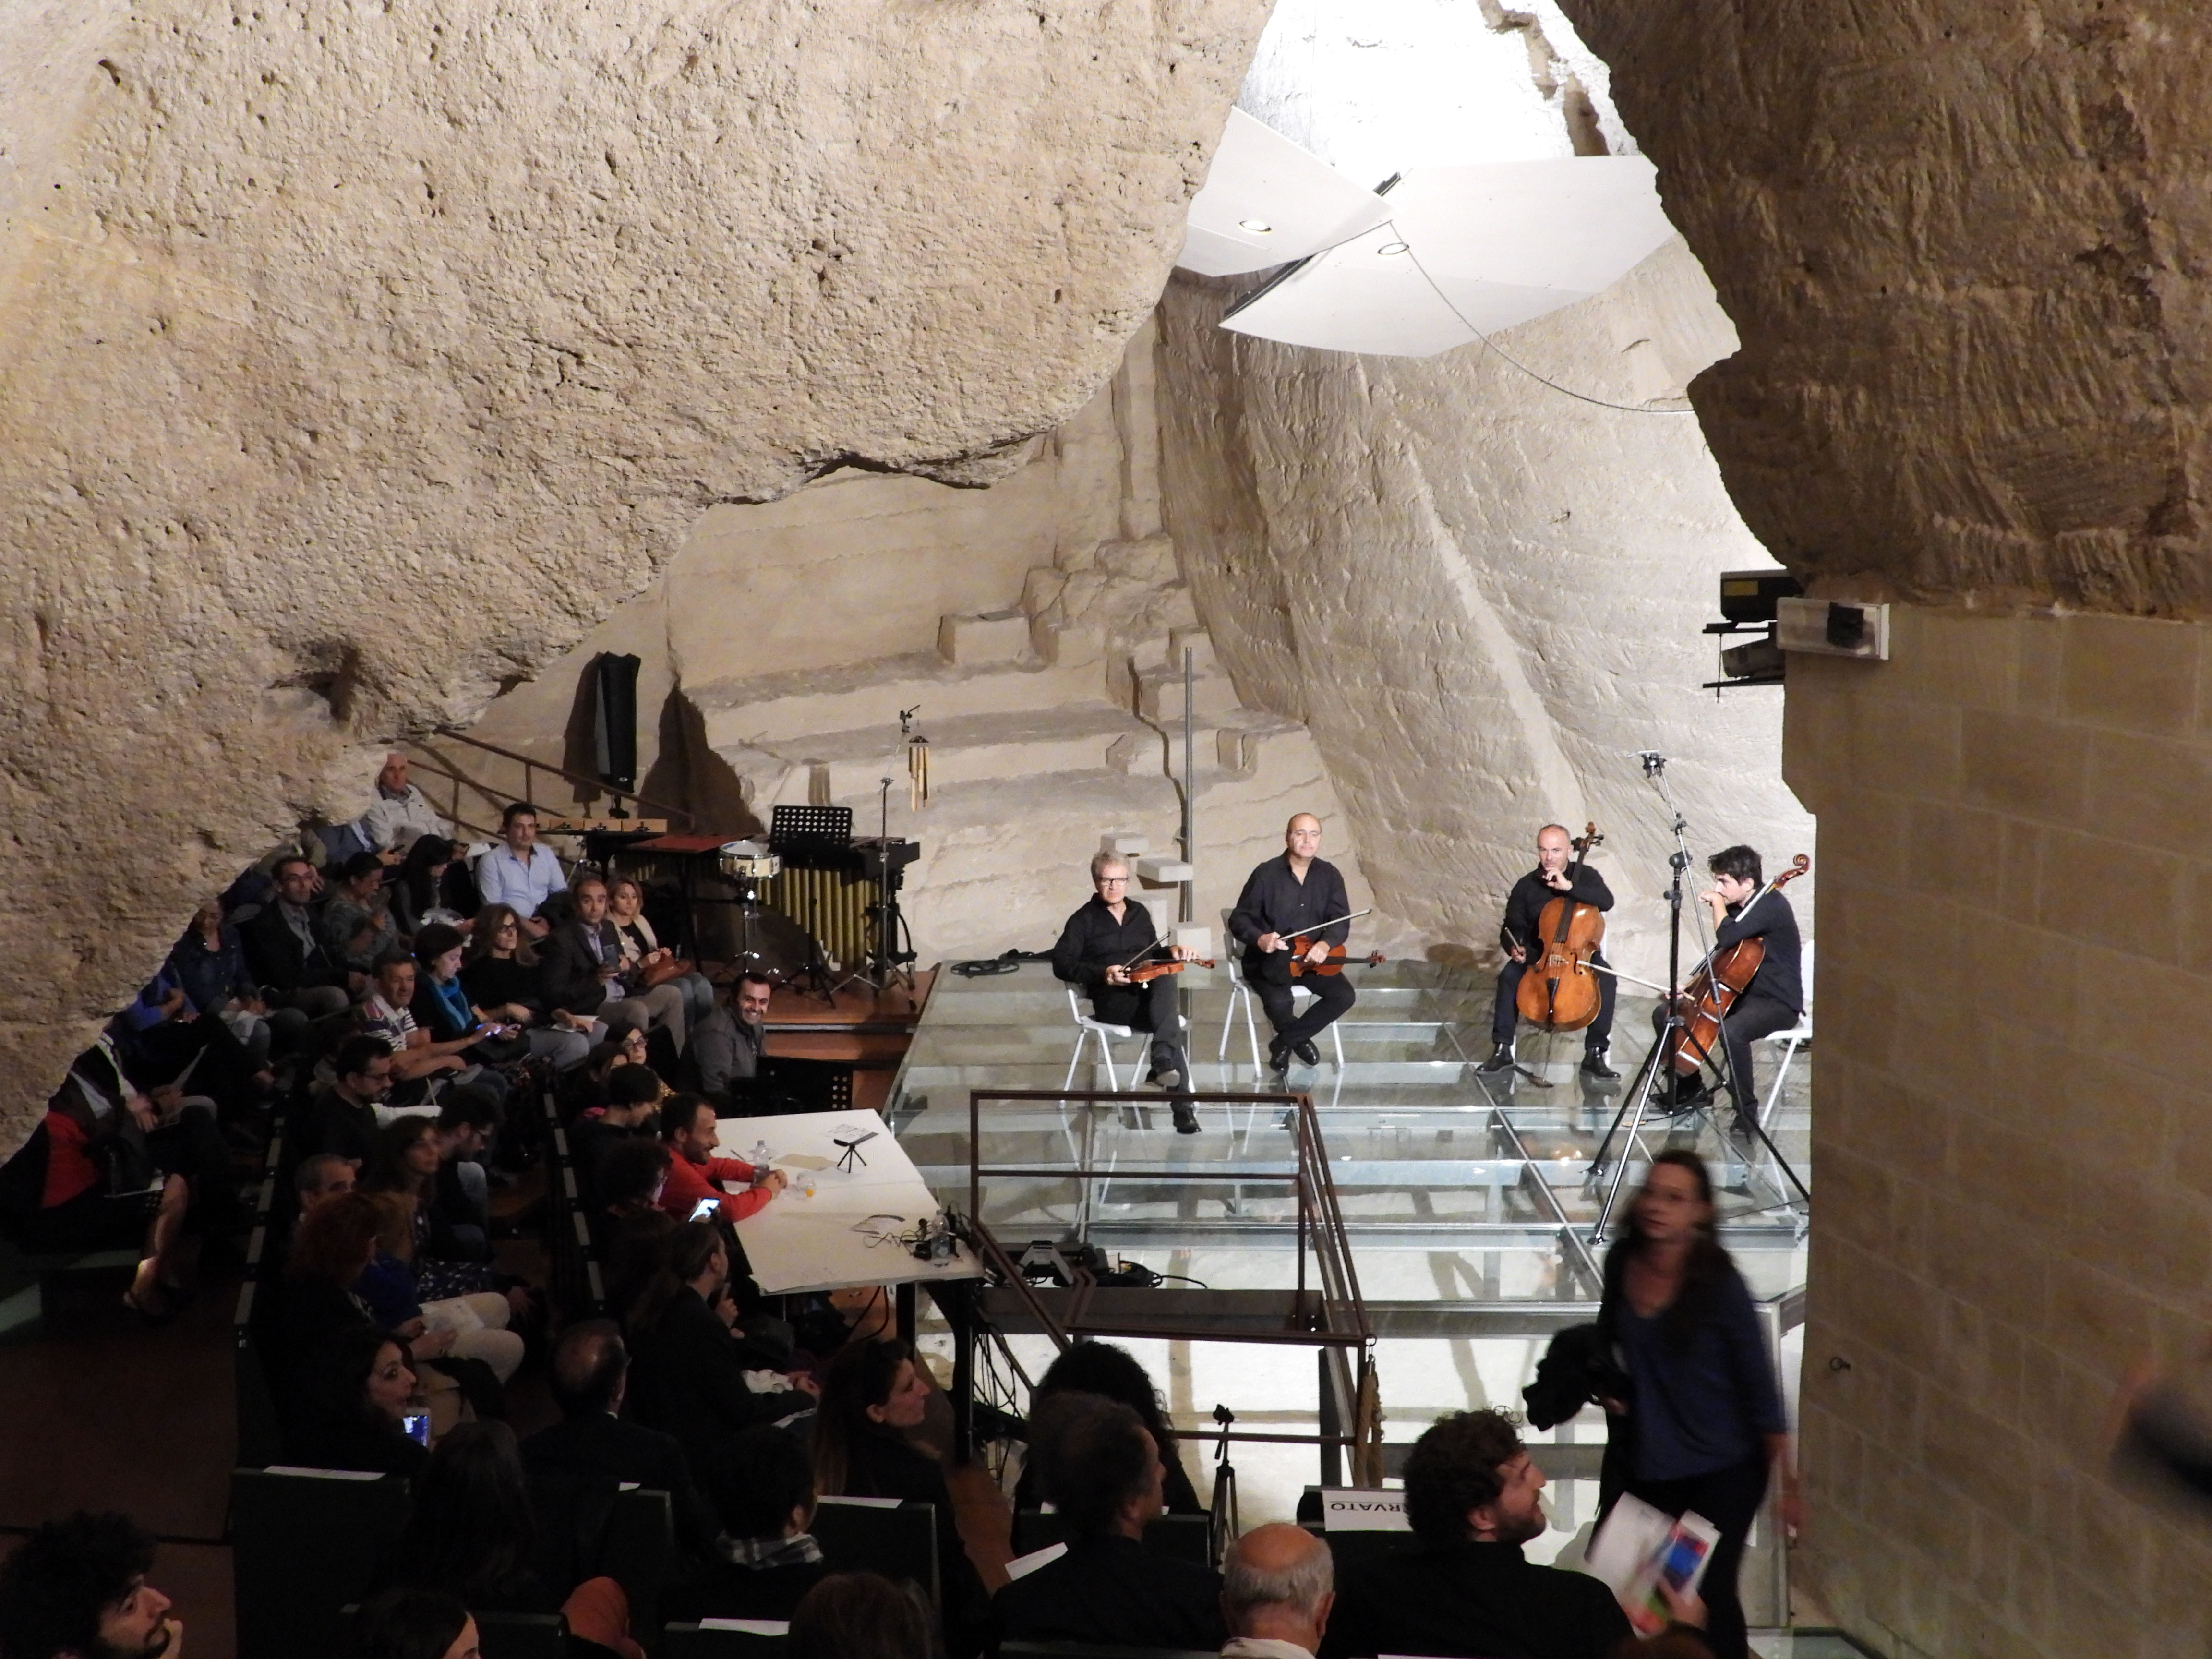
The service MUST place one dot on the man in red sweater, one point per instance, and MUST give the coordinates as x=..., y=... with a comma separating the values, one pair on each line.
x=687, y=1124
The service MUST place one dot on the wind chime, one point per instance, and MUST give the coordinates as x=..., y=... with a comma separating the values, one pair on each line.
x=917, y=760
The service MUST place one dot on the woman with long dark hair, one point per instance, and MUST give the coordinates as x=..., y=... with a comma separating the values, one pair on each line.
x=1102, y=1368
x=872, y=1394
x=499, y=977
x=417, y=893
x=348, y=1403
x=1704, y=1423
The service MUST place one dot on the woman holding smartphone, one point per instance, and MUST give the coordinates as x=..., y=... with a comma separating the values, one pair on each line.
x=1703, y=1423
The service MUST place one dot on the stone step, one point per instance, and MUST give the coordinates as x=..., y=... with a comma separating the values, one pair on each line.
x=968, y=749
x=769, y=709
x=990, y=636
x=1159, y=694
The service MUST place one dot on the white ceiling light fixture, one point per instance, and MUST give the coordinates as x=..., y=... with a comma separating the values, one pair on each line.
x=1267, y=202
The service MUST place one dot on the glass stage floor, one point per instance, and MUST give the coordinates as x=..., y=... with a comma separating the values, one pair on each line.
x=1467, y=1200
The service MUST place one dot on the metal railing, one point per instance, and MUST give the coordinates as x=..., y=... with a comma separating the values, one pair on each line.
x=441, y=767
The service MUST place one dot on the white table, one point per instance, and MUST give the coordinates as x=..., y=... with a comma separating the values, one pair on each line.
x=799, y=1244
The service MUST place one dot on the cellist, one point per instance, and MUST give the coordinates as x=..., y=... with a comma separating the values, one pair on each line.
x=1776, y=995
x=1517, y=937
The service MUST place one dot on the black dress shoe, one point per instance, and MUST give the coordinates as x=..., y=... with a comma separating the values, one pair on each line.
x=1307, y=1052
x=1501, y=1060
x=1279, y=1059
x=1594, y=1065
x=1186, y=1121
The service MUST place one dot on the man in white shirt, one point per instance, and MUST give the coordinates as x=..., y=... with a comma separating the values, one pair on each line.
x=520, y=873
x=400, y=814
x=1278, y=1584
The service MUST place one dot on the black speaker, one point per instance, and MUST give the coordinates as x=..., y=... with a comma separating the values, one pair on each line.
x=614, y=720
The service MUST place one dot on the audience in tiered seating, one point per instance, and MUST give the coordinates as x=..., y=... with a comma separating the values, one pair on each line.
x=696, y=1175
x=357, y=928
x=348, y=1402
x=872, y=1394
x=284, y=950
x=1278, y=1584
x=76, y=1589
x=1100, y=1468
x=695, y=1375
x=388, y=1014
x=581, y=968
x=501, y=981
x=632, y=1109
x=764, y=1491
x=407, y=1623
x=1472, y=1499
x=417, y=890
x=730, y=1041
x=629, y=1180
x=344, y=1117
x=643, y=952
x=208, y=963
x=422, y=1217
x=519, y=872
x=1102, y=1368
x=860, y=1615
x=399, y=813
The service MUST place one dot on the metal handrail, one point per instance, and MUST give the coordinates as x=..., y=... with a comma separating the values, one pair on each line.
x=532, y=767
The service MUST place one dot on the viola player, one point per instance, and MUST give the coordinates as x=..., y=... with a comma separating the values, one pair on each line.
x=1097, y=948
x=1283, y=900
x=1517, y=937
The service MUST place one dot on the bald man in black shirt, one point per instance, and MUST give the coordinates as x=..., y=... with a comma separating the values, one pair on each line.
x=1283, y=898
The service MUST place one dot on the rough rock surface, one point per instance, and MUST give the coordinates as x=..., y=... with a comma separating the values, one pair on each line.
x=1482, y=596
x=357, y=359
x=1963, y=247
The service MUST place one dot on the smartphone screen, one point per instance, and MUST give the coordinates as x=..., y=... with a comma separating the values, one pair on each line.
x=1680, y=1563
x=703, y=1209
x=418, y=1425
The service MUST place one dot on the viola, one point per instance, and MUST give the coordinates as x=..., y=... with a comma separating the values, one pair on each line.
x=1152, y=971
x=1558, y=991
x=1705, y=1001
x=1333, y=962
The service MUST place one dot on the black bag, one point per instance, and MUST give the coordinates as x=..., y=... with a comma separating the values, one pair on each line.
x=1577, y=1369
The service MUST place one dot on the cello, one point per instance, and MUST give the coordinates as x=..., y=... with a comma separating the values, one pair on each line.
x=1558, y=991
x=1724, y=976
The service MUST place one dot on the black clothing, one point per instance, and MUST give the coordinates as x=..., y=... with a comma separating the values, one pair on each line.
x=1114, y=1592
x=279, y=960
x=1090, y=943
x=575, y=1467
x=1729, y=1498
x=688, y=1378
x=1276, y=902
x=884, y=1463
x=567, y=972
x=1505, y=1016
x=1181, y=1496
x=336, y=1125
x=1524, y=909
x=362, y=1442
x=1333, y=996
x=731, y=1589
x=727, y=1052
x=1780, y=976
x=1749, y=1017
x=589, y=1137
x=493, y=981
x=1483, y=1601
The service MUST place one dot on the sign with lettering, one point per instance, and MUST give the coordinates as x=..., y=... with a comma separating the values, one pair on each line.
x=1344, y=1509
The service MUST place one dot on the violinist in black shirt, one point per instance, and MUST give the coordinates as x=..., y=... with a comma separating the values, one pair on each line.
x=1098, y=946
x=1517, y=937
x=1285, y=898
x=1775, y=996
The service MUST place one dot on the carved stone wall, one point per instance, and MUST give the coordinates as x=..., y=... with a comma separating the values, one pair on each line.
x=355, y=362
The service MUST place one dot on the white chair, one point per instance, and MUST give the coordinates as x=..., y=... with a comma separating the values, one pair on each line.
x=1790, y=1042
x=1086, y=1028
x=1241, y=997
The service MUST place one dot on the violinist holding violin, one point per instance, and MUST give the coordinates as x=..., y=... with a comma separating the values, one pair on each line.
x=1283, y=899
x=1097, y=949
x=1518, y=937
x=1776, y=995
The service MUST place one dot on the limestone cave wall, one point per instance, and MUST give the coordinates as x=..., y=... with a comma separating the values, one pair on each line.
x=355, y=362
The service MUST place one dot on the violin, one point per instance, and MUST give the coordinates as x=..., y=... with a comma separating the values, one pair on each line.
x=1333, y=962
x=1152, y=971
x=1558, y=991
x=1723, y=977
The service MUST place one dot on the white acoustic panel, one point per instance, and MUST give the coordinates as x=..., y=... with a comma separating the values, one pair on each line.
x=1267, y=202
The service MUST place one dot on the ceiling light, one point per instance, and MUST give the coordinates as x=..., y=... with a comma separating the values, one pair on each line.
x=1257, y=227
x=1389, y=248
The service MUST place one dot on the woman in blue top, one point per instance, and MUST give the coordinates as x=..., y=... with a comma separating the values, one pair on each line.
x=1704, y=1422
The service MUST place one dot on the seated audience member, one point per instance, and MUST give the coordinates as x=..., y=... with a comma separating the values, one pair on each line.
x=347, y=1404
x=343, y=1118
x=418, y=1228
x=162, y=1034
x=694, y=1173
x=642, y=951
x=500, y=977
x=520, y=873
x=356, y=926
x=157, y=1124
x=1278, y=1584
x=580, y=968
x=763, y=1491
x=335, y=1243
x=729, y=1042
x=576, y=1465
x=388, y=1015
x=587, y=1086
x=467, y=1123
x=284, y=950
x=407, y=1623
x=474, y=1326
x=1101, y=1368
x=76, y=1589
x=859, y=1615
x=207, y=962
x=1473, y=1499
x=629, y=1179
x=78, y=1184
x=442, y=1006
x=1102, y=1471
x=873, y=1393
x=471, y=1533
x=400, y=813
x=417, y=890
x=637, y=1248
x=694, y=1376
x=632, y=1110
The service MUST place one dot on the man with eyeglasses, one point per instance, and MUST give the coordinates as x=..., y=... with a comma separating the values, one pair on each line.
x=1098, y=946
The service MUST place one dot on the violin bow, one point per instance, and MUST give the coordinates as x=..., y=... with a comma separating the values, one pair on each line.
x=1332, y=920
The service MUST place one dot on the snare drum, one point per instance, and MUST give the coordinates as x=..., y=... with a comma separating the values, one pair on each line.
x=745, y=860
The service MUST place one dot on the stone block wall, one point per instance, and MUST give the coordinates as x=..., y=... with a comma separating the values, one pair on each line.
x=2015, y=1078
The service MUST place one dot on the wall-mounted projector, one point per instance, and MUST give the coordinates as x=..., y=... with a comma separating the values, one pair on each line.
x=1833, y=628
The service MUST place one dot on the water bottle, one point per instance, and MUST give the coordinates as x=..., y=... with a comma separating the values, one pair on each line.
x=759, y=1156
